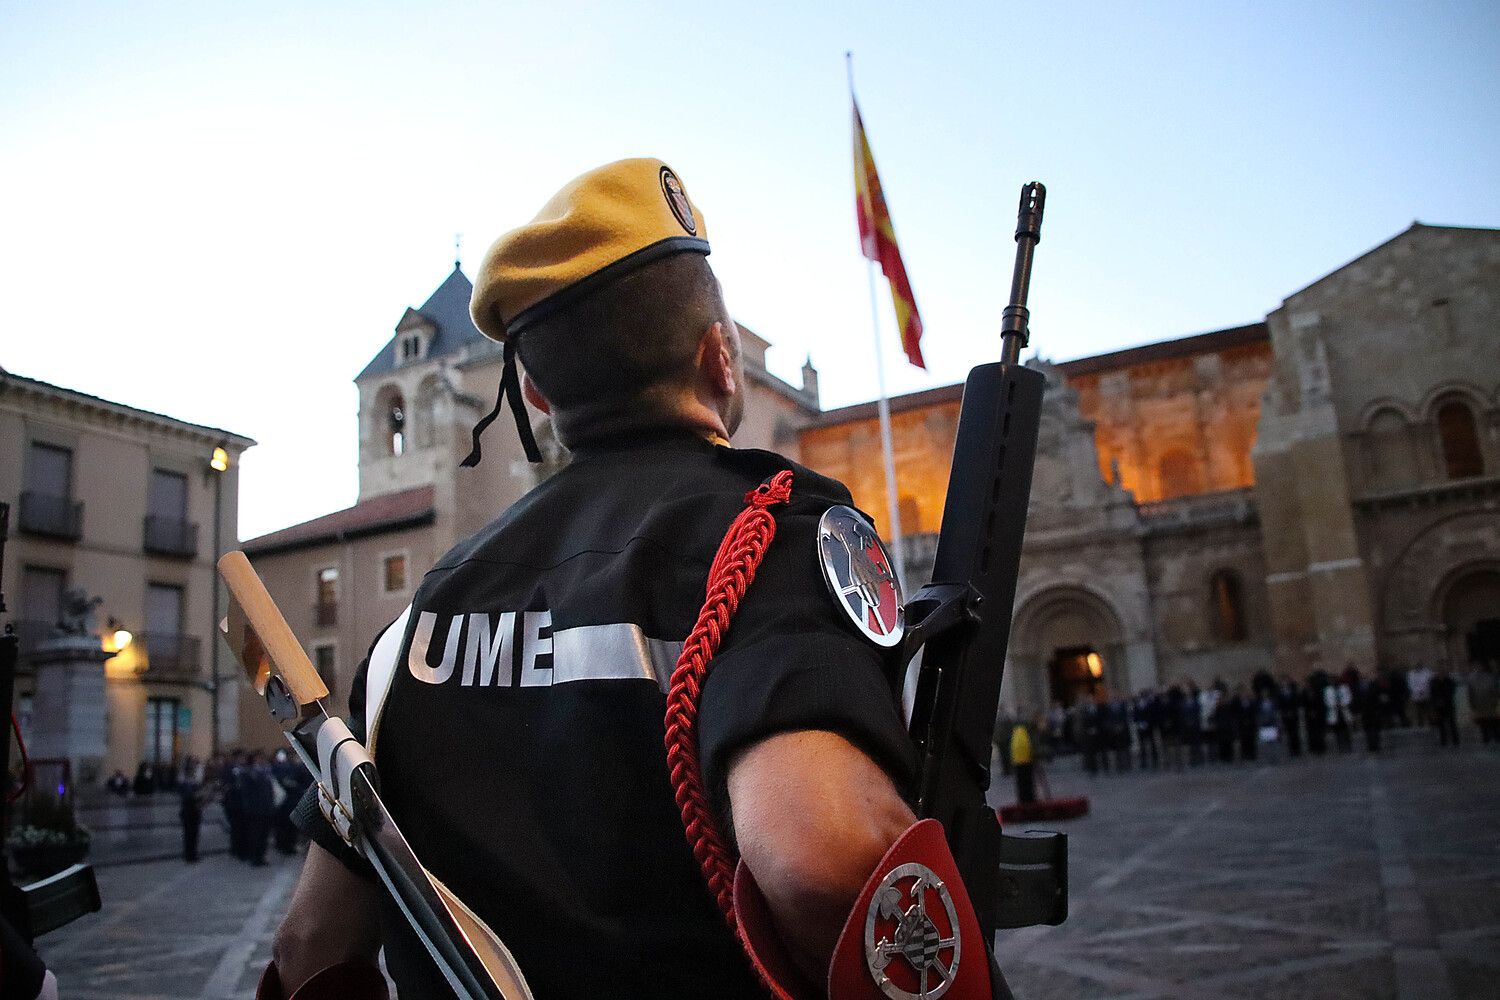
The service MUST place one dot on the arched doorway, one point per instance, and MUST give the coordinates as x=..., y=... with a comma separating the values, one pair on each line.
x=1068, y=646
x=1471, y=617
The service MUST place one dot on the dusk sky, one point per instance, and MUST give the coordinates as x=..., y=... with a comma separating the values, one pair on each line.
x=221, y=210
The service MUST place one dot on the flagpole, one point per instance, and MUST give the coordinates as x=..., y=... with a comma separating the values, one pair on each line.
x=883, y=405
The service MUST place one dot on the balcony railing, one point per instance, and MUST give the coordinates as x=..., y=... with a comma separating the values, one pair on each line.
x=326, y=613
x=1202, y=510
x=52, y=516
x=171, y=536
x=171, y=656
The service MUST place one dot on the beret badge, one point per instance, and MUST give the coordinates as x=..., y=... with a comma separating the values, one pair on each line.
x=677, y=201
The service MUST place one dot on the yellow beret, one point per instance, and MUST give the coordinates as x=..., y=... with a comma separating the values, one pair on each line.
x=602, y=225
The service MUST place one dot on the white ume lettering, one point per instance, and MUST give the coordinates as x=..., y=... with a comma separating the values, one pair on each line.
x=520, y=649
x=494, y=654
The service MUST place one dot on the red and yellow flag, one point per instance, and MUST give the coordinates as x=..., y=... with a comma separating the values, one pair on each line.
x=877, y=239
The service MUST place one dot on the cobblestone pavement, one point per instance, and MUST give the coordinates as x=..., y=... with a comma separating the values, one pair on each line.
x=1349, y=876
x=1337, y=878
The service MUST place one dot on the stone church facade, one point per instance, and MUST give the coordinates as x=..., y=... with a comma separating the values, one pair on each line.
x=1316, y=489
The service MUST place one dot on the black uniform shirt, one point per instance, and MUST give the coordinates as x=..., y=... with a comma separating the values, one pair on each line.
x=520, y=746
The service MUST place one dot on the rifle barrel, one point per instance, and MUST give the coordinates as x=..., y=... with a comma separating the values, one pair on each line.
x=1015, y=321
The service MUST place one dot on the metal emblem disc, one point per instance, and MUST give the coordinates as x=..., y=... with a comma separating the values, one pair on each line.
x=860, y=576
x=912, y=942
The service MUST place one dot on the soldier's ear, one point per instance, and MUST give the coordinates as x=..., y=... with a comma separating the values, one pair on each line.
x=716, y=360
x=533, y=394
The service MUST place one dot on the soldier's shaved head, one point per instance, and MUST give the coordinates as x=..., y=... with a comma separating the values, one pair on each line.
x=621, y=357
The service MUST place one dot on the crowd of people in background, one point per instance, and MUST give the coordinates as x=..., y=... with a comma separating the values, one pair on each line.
x=1266, y=720
x=256, y=792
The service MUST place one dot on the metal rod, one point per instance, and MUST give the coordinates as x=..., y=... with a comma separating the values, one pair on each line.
x=887, y=448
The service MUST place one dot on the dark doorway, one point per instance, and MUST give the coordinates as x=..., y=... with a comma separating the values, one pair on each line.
x=1484, y=641
x=1074, y=674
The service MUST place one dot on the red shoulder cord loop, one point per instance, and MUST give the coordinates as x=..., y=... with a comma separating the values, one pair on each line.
x=733, y=568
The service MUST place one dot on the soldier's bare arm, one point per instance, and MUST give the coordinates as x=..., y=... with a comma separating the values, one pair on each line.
x=813, y=816
x=333, y=918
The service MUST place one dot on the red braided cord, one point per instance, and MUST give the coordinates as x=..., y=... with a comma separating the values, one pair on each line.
x=733, y=568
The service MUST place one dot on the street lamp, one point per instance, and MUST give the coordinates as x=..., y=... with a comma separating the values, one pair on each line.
x=119, y=633
x=218, y=464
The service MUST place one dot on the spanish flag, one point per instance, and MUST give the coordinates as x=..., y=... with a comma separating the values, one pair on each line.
x=877, y=239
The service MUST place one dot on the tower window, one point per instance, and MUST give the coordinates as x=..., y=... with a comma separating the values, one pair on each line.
x=1460, y=440
x=396, y=426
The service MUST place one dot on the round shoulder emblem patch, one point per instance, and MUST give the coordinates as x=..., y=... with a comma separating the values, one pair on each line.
x=912, y=943
x=860, y=576
x=677, y=200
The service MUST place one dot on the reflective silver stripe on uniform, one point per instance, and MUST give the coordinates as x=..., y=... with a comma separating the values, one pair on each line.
x=520, y=648
x=620, y=651
x=379, y=674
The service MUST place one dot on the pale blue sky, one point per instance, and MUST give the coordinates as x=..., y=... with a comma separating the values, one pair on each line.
x=220, y=210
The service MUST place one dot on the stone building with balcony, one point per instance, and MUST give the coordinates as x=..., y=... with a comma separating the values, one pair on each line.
x=121, y=503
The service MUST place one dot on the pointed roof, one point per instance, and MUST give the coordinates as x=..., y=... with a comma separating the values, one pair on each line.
x=447, y=310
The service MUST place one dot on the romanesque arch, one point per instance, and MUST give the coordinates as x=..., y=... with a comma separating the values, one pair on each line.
x=1424, y=598
x=1067, y=641
x=1467, y=603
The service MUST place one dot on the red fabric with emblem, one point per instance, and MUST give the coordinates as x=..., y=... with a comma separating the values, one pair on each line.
x=849, y=976
x=345, y=981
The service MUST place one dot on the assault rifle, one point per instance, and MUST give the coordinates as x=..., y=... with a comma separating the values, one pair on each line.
x=960, y=623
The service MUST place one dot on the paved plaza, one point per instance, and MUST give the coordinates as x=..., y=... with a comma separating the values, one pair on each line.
x=1347, y=877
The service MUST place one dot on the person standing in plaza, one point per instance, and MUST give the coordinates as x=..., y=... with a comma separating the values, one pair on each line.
x=259, y=805
x=1338, y=703
x=1419, y=683
x=1191, y=723
x=1208, y=716
x=1119, y=732
x=292, y=780
x=190, y=795
x=1443, y=704
x=1372, y=704
x=1315, y=711
x=1092, y=727
x=1226, y=723
x=232, y=800
x=1268, y=727
x=1171, y=727
x=1246, y=711
x=1400, y=698
x=1021, y=760
x=1484, y=701
x=1147, y=712
x=1289, y=704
